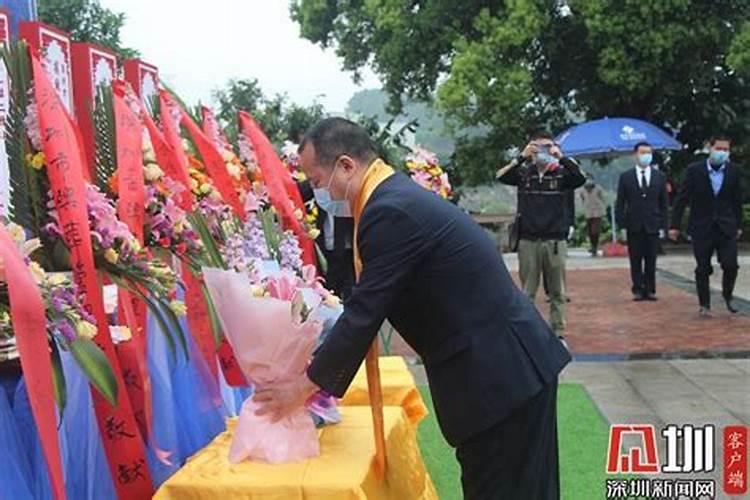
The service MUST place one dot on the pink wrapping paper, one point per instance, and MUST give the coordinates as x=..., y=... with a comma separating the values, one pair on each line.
x=270, y=346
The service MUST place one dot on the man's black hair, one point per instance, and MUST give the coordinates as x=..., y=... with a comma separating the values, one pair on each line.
x=333, y=137
x=719, y=137
x=642, y=143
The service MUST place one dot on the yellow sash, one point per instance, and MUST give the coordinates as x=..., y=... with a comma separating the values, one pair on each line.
x=376, y=173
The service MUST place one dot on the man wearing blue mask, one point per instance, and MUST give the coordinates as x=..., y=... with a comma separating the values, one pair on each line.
x=336, y=227
x=545, y=180
x=491, y=360
x=712, y=189
x=642, y=210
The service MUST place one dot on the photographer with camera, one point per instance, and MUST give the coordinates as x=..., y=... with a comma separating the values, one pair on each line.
x=544, y=177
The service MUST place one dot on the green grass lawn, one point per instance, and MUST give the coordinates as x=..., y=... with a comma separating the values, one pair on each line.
x=582, y=435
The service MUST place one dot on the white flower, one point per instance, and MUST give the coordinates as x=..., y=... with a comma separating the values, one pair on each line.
x=234, y=170
x=37, y=272
x=31, y=246
x=227, y=156
x=153, y=172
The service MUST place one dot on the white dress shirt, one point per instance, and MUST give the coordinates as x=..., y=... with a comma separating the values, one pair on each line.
x=647, y=170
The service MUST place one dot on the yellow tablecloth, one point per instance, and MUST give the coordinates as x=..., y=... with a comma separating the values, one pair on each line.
x=398, y=385
x=343, y=471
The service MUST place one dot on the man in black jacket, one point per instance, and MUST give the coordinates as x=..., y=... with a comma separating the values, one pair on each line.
x=335, y=242
x=491, y=360
x=545, y=179
x=642, y=210
x=712, y=189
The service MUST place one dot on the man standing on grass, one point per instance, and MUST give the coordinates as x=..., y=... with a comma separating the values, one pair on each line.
x=491, y=360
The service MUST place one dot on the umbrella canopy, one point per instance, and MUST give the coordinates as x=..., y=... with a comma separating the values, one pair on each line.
x=613, y=135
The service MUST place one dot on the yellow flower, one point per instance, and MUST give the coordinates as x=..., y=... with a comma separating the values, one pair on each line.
x=135, y=245
x=258, y=291
x=86, y=330
x=4, y=317
x=16, y=232
x=37, y=272
x=314, y=233
x=111, y=256
x=178, y=307
x=205, y=188
x=193, y=184
x=37, y=161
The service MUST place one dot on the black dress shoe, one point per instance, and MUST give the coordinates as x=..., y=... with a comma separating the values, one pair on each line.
x=638, y=297
x=651, y=298
x=730, y=305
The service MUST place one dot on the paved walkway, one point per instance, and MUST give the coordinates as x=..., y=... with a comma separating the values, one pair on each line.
x=609, y=335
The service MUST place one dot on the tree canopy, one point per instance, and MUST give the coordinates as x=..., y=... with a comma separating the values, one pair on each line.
x=516, y=65
x=86, y=21
x=280, y=119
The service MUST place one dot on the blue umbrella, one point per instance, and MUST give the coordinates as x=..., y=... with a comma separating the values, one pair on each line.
x=610, y=136
x=613, y=136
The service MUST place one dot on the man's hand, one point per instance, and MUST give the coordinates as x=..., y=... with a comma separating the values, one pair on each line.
x=571, y=232
x=529, y=151
x=739, y=234
x=555, y=151
x=674, y=234
x=284, y=398
x=661, y=234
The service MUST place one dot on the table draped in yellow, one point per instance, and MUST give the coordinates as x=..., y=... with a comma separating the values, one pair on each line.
x=343, y=471
x=398, y=387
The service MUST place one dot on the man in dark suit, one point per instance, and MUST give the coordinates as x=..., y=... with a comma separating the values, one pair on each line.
x=641, y=209
x=491, y=360
x=335, y=242
x=712, y=189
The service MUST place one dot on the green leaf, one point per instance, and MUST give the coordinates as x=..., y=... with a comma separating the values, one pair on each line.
x=213, y=316
x=96, y=367
x=321, y=259
x=58, y=379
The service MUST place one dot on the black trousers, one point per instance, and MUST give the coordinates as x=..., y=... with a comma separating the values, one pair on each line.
x=517, y=458
x=642, y=250
x=726, y=250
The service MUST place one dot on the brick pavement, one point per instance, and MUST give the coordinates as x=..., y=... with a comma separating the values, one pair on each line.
x=604, y=323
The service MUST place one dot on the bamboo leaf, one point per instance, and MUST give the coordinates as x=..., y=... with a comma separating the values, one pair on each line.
x=96, y=367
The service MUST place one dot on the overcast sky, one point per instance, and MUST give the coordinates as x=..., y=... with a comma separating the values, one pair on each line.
x=198, y=46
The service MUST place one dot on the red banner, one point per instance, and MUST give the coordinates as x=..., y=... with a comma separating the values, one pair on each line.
x=735, y=460
x=215, y=166
x=282, y=189
x=198, y=320
x=29, y=321
x=214, y=132
x=65, y=166
x=131, y=210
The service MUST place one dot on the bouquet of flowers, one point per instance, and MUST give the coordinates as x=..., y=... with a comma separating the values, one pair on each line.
x=129, y=265
x=424, y=168
x=69, y=326
x=273, y=338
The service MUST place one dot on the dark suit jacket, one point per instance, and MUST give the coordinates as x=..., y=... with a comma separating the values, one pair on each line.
x=637, y=211
x=340, y=274
x=724, y=209
x=441, y=282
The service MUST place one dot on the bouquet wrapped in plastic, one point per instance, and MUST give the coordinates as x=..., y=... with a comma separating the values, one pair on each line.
x=273, y=334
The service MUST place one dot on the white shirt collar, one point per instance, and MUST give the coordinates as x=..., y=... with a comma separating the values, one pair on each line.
x=711, y=170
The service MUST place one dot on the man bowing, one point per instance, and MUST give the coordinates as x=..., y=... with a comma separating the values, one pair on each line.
x=491, y=360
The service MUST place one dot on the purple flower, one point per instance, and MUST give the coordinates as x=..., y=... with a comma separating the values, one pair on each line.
x=67, y=330
x=290, y=253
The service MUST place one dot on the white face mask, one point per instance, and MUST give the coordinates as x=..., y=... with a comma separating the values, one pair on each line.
x=337, y=208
